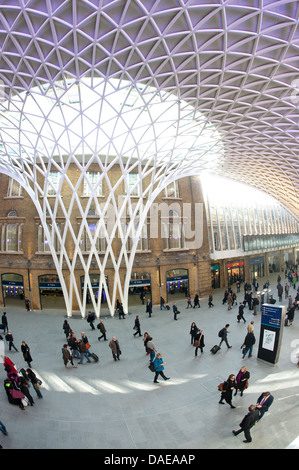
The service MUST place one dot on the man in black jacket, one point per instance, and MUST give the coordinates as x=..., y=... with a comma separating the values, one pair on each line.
x=102, y=329
x=247, y=422
x=137, y=326
x=9, y=339
x=249, y=341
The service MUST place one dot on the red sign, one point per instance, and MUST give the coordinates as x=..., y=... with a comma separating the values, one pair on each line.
x=235, y=264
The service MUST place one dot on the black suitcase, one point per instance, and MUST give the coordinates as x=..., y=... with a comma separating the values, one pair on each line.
x=95, y=357
x=215, y=349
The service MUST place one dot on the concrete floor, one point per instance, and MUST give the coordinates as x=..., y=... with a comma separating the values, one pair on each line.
x=116, y=405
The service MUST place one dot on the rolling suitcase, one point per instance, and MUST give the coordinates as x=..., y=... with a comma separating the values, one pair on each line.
x=215, y=349
x=94, y=357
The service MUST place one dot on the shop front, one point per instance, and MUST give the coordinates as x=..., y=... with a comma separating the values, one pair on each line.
x=50, y=291
x=12, y=289
x=235, y=271
x=256, y=267
x=139, y=288
x=215, y=275
x=177, y=281
x=274, y=262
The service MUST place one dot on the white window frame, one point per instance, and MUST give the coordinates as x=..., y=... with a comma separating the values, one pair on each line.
x=94, y=184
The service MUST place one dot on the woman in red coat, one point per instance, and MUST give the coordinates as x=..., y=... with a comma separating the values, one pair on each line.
x=8, y=363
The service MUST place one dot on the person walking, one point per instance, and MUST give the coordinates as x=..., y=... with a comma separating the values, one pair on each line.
x=242, y=380
x=4, y=322
x=31, y=377
x=159, y=365
x=210, y=302
x=9, y=338
x=193, y=331
x=286, y=290
x=115, y=348
x=247, y=423
x=9, y=366
x=102, y=329
x=24, y=387
x=263, y=403
x=249, y=342
x=279, y=291
x=67, y=356
x=90, y=319
x=250, y=327
x=162, y=303
x=121, y=313
x=149, y=308
x=196, y=301
x=199, y=341
x=189, y=304
x=224, y=332
x=137, y=326
x=83, y=351
x=229, y=301
x=73, y=344
x=145, y=339
x=151, y=348
x=227, y=390
x=290, y=315
x=26, y=353
x=66, y=328
x=240, y=315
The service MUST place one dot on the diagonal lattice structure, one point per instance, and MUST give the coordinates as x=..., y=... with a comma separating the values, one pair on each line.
x=158, y=88
x=104, y=125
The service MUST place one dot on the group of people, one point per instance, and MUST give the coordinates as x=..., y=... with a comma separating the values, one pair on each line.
x=81, y=349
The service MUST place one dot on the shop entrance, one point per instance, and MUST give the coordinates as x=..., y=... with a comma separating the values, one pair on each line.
x=274, y=263
x=235, y=272
x=50, y=291
x=140, y=288
x=13, y=289
x=177, y=281
x=256, y=268
x=215, y=274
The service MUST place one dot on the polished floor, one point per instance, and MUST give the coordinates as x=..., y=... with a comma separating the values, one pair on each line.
x=116, y=405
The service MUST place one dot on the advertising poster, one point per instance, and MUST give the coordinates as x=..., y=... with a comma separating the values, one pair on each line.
x=269, y=340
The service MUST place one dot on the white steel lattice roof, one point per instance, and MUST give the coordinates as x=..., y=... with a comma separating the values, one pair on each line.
x=235, y=61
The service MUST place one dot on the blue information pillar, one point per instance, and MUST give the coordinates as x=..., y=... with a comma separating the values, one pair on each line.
x=272, y=324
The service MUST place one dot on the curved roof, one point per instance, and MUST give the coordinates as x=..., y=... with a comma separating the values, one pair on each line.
x=234, y=61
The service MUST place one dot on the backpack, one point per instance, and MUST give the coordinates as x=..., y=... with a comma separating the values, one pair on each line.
x=152, y=367
x=220, y=387
x=220, y=334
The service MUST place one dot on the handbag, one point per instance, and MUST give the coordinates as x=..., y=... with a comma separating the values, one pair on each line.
x=16, y=394
x=87, y=345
